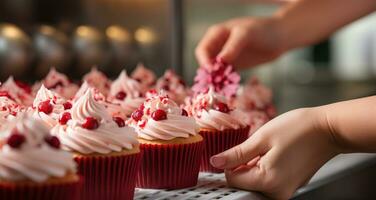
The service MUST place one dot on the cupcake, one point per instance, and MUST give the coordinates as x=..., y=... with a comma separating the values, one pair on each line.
x=98, y=80
x=106, y=150
x=58, y=83
x=32, y=165
x=115, y=109
x=143, y=75
x=19, y=91
x=48, y=106
x=174, y=86
x=222, y=127
x=256, y=100
x=126, y=92
x=170, y=142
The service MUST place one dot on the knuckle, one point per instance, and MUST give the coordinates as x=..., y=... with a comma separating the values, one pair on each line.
x=239, y=153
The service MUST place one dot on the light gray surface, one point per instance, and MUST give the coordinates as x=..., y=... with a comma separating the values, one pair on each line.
x=209, y=186
x=337, y=166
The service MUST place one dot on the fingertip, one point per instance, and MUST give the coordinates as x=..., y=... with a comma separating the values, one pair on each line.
x=218, y=161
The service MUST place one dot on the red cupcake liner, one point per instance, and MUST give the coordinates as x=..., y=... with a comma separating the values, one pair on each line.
x=217, y=142
x=108, y=177
x=169, y=166
x=47, y=191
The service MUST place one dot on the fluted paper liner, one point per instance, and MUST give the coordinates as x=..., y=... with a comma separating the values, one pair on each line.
x=108, y=177
x=219, y=141
x=60, y=190
x=169, y=166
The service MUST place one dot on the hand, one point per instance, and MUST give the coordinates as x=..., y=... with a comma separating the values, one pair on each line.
x=243, y=42
x=281, y=156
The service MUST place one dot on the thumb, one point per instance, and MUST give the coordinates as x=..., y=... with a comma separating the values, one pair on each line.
x=237, y=155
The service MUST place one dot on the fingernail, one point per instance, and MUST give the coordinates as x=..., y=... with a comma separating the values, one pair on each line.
x=217, y=161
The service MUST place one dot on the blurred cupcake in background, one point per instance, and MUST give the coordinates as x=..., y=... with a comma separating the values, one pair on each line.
x=170, y=142
x=48, y=106
x=105, y=148
x=127, y=92
x=19, y=91
x=58, y=83
x=221, y=126
x=32, y=165
x=144, y=75
x=256, y=100
x=98, y=80
x=174, y=86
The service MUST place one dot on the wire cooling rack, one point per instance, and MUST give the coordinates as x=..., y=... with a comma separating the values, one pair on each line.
x=209, y=186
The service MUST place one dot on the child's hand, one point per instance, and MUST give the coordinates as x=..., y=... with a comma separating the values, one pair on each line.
x=242, y=42
x=281, y=156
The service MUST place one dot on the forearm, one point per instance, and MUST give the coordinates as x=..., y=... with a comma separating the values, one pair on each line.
x=352, y=124
x=306, y=22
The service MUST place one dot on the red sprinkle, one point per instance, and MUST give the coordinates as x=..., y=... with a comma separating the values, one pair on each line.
x=159, y=115
x=67, y=105
x=182, y=82
x=53, y=141
x=221, y=107
x=5, y=94
x=45, y=107
x=166, y=87
x=121, y=95
x=90, y=123
x=24, y=86
x=120, y=122
x=184, y=112
x=137, y=115
x=65, y=117
x=16, y=140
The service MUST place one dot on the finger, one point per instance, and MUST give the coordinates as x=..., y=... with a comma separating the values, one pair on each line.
x=237, y=155
x=234, y=45
x=211, y=44
x=254, y=58
x=245, y=178
x=249, y=165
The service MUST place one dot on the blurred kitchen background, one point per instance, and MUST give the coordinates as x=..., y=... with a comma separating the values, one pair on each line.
x=74, y=35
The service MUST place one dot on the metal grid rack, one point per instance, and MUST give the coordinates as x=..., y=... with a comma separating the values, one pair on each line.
x=209, y=186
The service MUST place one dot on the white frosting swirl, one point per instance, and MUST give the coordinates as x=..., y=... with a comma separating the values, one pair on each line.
x=55, y=100
x=114, y=108
x=60, y=84
x=144, y=75
x=133, y=90
x=207, y=117
x=108, y=137
x=176, y=125
x=173, y=86
x=98, y=80
x=124, y=83
x=35, y=160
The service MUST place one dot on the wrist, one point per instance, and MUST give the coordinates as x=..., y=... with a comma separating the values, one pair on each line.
x=283, y=41
x=324, y=123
